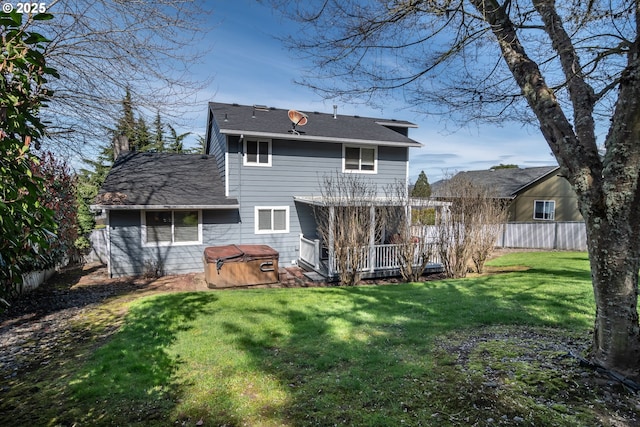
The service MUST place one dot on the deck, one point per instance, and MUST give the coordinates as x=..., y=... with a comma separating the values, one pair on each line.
x=378, y=261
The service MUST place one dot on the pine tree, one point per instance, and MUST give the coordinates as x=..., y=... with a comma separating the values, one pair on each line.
x=422, y=188
x=127, y=123
x=143, y=136
x=201, y=147
x=176, y=142
x=158, y=135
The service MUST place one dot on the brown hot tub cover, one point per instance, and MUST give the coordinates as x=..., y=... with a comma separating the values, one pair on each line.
x=240, y=265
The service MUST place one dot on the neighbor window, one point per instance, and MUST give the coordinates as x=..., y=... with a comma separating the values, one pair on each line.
x=544, y=209
x=362, y=159
x=257, y=152
x=171, y=227
x=271, y=219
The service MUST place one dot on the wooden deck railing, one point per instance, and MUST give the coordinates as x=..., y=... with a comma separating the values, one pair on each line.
x=376, y=258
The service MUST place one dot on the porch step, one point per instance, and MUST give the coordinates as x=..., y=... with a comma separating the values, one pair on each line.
x=297, y=277
x=314, y=277
x=292, y=276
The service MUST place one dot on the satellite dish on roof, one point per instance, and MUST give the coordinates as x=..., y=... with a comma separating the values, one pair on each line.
x=297, y=118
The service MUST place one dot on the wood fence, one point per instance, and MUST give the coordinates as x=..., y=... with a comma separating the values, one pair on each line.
x=99, y=246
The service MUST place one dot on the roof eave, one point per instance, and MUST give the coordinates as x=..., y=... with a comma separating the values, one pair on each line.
x=163, y=207
x=291, y=136
x=323, y=201
x=396, y=124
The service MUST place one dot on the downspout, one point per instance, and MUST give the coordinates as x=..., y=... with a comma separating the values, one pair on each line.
x=406, y=173
x=109, y=272
x=226, y=167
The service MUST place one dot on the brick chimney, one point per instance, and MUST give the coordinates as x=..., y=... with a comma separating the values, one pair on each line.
x=120, y=145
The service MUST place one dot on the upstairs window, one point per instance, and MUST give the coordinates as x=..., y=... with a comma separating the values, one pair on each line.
x=163, y=228
x=544, y=210
x=360, y=159
x=257, y=152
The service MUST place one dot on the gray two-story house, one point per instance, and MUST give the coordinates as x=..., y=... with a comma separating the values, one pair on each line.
x=257, y=183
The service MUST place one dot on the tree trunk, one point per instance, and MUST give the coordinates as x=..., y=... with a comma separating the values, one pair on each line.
x=614, y=270
x=608, y=189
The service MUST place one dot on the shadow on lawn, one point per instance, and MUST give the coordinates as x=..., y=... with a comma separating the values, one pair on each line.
x=364, y=357
x=365, y=361
x=132, y=376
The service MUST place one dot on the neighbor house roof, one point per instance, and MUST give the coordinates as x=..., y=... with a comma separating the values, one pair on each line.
x=163, y=181
x=270, y=122
x=507, y=183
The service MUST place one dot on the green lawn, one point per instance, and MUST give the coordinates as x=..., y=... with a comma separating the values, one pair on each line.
x=452, y=352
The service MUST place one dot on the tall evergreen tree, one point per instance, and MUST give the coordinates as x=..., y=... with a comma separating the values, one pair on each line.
x=176, y=142
x=143, y=136
x=127, y=123
x=158, y=135
x=422, y=188
x=202, y=145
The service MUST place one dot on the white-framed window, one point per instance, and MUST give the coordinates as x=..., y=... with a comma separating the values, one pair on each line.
x=544, y=210
x=168, y=228
x=271, y=219
x=359, y=159
x=257, y=152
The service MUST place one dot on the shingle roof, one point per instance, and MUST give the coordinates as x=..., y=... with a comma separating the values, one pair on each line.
x=272, y=122
x=163, y=180
x=506, y=182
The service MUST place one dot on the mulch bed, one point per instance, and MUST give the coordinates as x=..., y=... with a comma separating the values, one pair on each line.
x=37, y=327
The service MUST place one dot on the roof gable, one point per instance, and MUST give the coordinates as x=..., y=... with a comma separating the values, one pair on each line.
x=234, y=119
x=163, y=180
x=508, y=182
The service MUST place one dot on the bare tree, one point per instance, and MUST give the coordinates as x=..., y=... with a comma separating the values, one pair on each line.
x=410, y=231
x=487, y=216
x=493, y=214
x=572, y=67
x=456, y=230
x=101, y=48
x=467, y=235
x=346, y=221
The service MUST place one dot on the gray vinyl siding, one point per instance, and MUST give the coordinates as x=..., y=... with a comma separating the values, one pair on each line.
x=297, y=169
x=218, y=148
x=129, y=257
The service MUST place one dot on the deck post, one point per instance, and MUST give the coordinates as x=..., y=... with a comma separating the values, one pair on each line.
x=317, y=253
x=372, y=238
x=332, y=214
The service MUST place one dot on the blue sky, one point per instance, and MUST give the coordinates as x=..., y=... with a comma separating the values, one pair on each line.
x=250, y=66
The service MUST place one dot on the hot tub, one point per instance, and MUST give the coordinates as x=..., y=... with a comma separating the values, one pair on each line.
x=240, y=265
